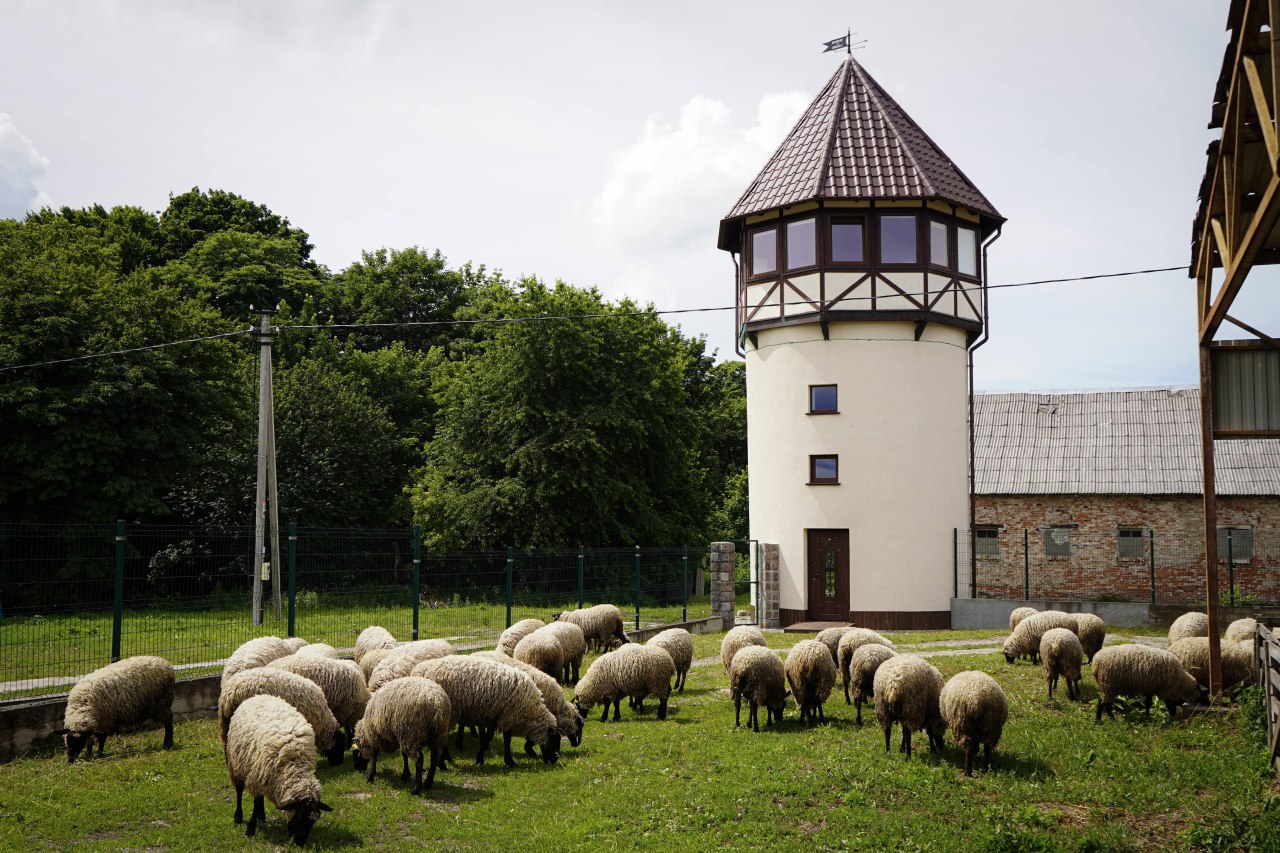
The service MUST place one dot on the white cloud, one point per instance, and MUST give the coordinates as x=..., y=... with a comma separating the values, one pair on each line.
x=21, y=166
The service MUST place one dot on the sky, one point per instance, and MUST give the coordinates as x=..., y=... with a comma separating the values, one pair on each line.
x=602, y=143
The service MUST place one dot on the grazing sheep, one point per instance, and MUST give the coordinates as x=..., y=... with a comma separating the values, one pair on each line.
x=1018, y=614
x=1025, y=639
x=409, y=714
x=1193, y=624
x=758, y=674
x=494, y=698
x=737, y=638
x=516, y=633
x=343, y=686
x=556, y=649
x=1137, y=670
x=257, y=652
x=123, y=693
x=322, y=649
x=811, y=675
x=373, y=637
x=974, y=707
x=1237, y=662
x=600, y=624
x=1242, y=630
x=634, y=671
x=830, y=637
x=854, y=639
x=862, y=673
x=568, y=719
x=1092, y=631
x=1060, y=654
x=402, y=659
x=370, y=661
x=271, y=751
x=907, y=688
x=294, y=643
x=679, y=644
x=302, y=693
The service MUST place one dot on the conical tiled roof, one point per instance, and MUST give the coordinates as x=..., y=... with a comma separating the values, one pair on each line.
x=855, y=142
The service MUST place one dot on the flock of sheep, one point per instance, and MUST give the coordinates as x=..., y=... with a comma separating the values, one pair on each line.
x=283, y=701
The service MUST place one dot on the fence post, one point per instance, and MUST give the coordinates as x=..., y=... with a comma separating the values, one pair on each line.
x=955, y=562
x=1151, y=537
x=511, y=559
x=293, y=576
x=1231, y=570
x=582, y=560
x=417, y=575
x=1026, y=564
x=117, y=605
x=637, y=587
x=684, y=585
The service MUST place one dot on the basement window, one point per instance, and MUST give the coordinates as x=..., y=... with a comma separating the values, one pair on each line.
x=1129, y=543
x=1241, y=544
x=824, y=470
x=986, y=541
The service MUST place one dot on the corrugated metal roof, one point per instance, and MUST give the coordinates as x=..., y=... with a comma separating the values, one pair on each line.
x=855, y=142
x=1110, y=442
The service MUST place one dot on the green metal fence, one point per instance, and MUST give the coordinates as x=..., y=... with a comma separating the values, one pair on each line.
x=74, y=597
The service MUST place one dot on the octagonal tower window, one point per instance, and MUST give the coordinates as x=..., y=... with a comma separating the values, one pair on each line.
x=802, y=243
x=898, y=239
x=764, y=251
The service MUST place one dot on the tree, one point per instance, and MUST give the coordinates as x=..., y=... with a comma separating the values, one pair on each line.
x=195, y=215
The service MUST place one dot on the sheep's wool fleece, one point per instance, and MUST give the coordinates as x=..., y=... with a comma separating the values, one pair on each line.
x=678, y=643
x=863, y=665
x=1025, y=639
x=373, y=637
x=974, y=708
x=739, y=638
x=552, y=696
x=408, y=714
x=598, y=622
x=120, y=694
x=907, y=688
x=810, y=672
x=570, y=636
x=1242, y=630
x=1193, y=624
x=272, y=749
x=854, y=639
x=633, y=670
x=1018, y=614
x=322, y=649
x=302, y=693
x=259, y=651
x=370, y=661
x=544, y=651
x=401, y=660
x=830, y=637
x=343, y=686
x=757, y=674
x=517, y=632
x=1193, y=654
x=1138, y=670
x=484, y=693
x=1060, y=652
x=1092, y=632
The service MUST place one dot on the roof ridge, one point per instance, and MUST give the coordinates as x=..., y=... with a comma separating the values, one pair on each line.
x=897, y=134
x=841, y=104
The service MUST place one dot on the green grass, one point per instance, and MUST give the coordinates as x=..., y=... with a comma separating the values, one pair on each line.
x=694, y=782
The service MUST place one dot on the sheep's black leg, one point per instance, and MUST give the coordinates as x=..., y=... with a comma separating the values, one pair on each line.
x=507, y=758
x=604, y=718
x=102, y=742
x=458, y=742
x=662, y=709
x=486, y=735
x=906, y=741
x=168, y=731
x=617, y=709
x=887, y=730
x=417, y=773
x=239, y=816
x=986, y=754
x=1098, y=717
x=859, y=712
x=431, y=772
x=404, y=773
x=847, y=700
x=372, y=769
x=639, y=706
x=529, y=750
x=1173, y=709
x=737, y=711
x=822, y=717
x=755, y=716
x=970, y=748
x=252, y=828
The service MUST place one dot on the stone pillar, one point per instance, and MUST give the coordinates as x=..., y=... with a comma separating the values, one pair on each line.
x=769, y=615
x=723, y=566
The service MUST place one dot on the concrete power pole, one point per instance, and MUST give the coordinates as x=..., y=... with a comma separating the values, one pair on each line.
x=265, y=514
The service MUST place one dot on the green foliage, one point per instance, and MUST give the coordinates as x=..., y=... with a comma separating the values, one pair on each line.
x=195, y=215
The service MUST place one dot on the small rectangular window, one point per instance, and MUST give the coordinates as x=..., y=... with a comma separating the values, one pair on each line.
x=1057, y=542
x=847, y=242
x=824, y=470
x=939, y=244
x=898, y=240
x=986, y=541
x=764, y=251
x=822, y=400
x=1241, y=544
x=802, y=243
x=966, y=251
x=1130, y=544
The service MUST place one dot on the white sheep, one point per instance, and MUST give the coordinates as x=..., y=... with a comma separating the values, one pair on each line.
x=975, y=708
x=830, y=637
x=568, y=719
x=401, y=660
x=854, y=639
x=1137, y=670
x=757, y=674
x=516, y=633
x=907, y=688
x=373, y=637
x=370, y=660
x=601, y=624
x=811, y=675
x=302, y=693
x=259, y=651
x=1192, y=624
x=343, y=685
x=1018, y=614
x=679, y=644
x=271, y=752
x=1242, y=631
x=1060, y=654
x=1237, y=661
x=124, y=693
x=294, y=643
x=409, y=714
x=862, y=673
x=1025, y=639
x=634, y=671
x=1092, y=632
x=494, y=698
x=738, y=638
x=321, y=649
x=556, y=649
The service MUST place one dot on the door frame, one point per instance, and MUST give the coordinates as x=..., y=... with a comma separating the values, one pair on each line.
x=839, y=609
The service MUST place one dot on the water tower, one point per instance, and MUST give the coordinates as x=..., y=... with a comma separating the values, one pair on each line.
x=861, y=294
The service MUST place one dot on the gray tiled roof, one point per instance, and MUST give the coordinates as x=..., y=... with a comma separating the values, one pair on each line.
x=855, y=142
x=1110, y=442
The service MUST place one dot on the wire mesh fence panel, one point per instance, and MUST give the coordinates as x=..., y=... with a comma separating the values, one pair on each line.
x=544, y=584
x=464, y=596
x=347, y=580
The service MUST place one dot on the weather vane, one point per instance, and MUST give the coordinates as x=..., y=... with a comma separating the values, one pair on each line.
x=845, y=41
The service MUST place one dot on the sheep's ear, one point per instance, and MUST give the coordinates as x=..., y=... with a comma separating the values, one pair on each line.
x=61, y=732
x=323, y=807
x=786, y=694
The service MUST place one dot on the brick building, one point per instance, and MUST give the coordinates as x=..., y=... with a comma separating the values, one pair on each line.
x=1095, y=496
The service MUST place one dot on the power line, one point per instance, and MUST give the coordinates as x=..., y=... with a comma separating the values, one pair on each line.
x=124, y=351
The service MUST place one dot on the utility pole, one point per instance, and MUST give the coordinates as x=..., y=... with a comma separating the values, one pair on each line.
x=265, y=515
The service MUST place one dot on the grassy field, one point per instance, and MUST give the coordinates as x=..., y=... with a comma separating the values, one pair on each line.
x=694, y=782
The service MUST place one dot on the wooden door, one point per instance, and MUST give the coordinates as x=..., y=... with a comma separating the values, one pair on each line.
x=829, y=575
